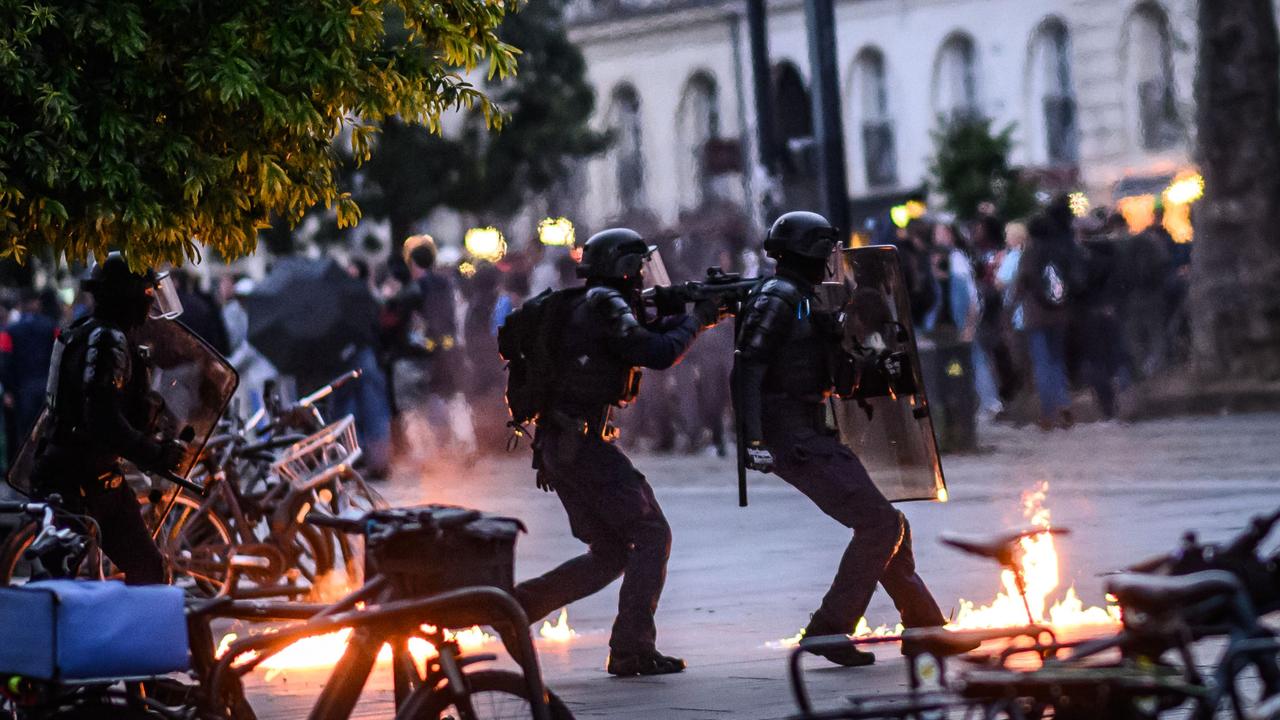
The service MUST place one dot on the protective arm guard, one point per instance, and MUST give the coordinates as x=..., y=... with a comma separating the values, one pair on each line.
x=766, y=324
x=107, y=369
x=630, y=341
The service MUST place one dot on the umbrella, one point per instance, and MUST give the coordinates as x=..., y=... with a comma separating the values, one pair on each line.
x=307, y=316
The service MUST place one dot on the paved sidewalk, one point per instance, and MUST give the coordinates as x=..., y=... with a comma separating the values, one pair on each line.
x=740, y=578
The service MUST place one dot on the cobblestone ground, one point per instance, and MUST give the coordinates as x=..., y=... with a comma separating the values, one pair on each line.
x=741, y=578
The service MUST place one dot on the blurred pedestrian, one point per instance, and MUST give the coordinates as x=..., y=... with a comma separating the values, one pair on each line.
x=434, y=371
x=366, y=399
x=1044, y=291
x=1101, y=342
x=484, y=385
x=26, y=351
x=200, y=312
x=1146, y=275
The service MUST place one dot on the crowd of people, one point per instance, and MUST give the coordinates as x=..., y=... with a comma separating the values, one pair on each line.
x=1030, y=310
x=1048, y=305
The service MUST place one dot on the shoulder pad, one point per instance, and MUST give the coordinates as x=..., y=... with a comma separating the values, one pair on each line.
x=781, y=288
x=610, y=308
x=767, y=320
x=106, y=360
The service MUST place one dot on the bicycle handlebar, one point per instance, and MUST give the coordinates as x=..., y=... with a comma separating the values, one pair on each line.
x=327, y=390
x=337, y=523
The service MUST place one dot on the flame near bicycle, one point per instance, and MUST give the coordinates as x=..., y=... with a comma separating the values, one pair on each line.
x=322, y=652
x=1038, y=565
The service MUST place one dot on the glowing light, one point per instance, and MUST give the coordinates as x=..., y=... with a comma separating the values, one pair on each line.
x=560, y=632
x=466, y=269
x=1039, y=565
x=1186, y=188
x=322, y=652
x=1079, y=203
x=1139, y=211
x=942, y=495
x=556, y=232
x=486, y=243
x=899, y=215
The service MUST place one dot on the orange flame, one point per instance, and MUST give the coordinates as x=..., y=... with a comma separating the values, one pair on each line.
x=1039, y=564
x=324, y=651
x=560, y=632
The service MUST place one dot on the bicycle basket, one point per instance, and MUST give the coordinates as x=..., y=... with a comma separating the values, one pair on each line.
x=332, y=449
x=436, y=548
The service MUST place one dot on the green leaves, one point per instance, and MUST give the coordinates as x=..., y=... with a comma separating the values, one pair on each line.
x=971, y=166
x=146, y=125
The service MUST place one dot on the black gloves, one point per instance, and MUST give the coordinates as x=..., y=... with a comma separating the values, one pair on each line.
x=706, y=312
x=170, y=455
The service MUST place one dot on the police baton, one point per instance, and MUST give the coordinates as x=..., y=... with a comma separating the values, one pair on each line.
x=181, y=482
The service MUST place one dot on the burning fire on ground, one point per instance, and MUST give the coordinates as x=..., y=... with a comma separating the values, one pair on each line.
x=324, y=651
x=1039, y=564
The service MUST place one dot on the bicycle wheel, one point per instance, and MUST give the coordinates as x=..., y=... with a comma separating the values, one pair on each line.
x=14, y=569
x=17, y=570
x=495, y=695
x=195, y=541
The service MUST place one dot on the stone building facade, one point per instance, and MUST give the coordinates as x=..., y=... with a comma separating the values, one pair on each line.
x=1100, y=92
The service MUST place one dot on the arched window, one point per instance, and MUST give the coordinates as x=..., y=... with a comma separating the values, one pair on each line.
x=871, y=112
x=1053, y=132
x=955, y=77
x=697, y=121
x=793, y=119
x=628, y=148
x=793, y=123
x=1149, y=77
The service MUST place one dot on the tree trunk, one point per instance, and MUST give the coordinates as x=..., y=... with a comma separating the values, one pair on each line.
x=1235, y=284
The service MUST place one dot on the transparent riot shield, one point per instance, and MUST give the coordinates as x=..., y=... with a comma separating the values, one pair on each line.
x=192, y=382
x=886, y=423
x=19, y=477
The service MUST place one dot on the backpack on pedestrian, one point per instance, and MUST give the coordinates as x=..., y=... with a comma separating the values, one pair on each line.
x=528, y=340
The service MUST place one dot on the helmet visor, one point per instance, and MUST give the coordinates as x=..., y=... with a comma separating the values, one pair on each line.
x=654, y=271
x=165, y=305
x=821, y=246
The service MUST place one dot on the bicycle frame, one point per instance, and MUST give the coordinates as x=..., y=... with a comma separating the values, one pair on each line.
x=393, y=622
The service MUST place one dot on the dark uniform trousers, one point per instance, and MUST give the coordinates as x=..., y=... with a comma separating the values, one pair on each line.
x=613, y=510
x=124, y=537
x=829, y=473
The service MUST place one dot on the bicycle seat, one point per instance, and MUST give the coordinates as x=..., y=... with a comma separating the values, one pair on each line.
x=1162, y=593
x=942, y=642
x=1000, y=548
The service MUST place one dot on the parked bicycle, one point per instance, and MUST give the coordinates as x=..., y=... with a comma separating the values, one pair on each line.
x=395, y=605
x=1148, y=668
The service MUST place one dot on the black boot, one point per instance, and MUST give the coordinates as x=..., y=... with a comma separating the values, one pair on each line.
x=646, y=663
x=844, y=653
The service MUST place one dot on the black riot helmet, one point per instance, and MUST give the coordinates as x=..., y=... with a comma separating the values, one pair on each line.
x=614, y=254
x=126, y=297
x=801, y=234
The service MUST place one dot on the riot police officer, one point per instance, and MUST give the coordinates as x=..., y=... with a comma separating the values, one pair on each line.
x=787, y=353
x=610, y=505
x=99, y=405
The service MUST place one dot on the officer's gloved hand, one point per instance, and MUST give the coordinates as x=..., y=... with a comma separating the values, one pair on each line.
x=171, y=454
x=706, y=312
x=759, y=457
x=543, y=481
x=893, y=365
